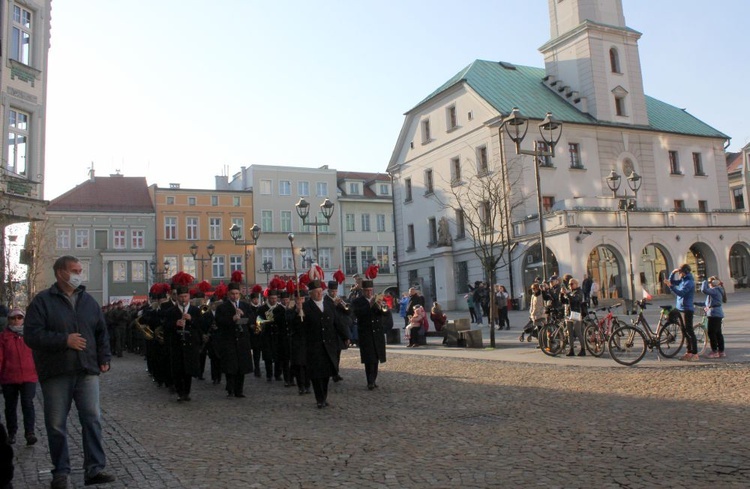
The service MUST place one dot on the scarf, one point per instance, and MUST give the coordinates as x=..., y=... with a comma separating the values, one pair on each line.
x=16, y=329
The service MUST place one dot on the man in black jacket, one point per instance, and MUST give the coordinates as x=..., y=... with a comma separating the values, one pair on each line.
x=344, y=319
x=183, y=337
x=234, y=341
x=370, y=329
x=66, y=330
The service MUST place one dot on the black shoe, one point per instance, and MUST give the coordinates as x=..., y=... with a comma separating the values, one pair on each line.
x=337, y=378
x=582, y=353
x=308, y=391
x=59, y=481
x=507, y=328
x=201, y=378
x=570, y=353
x=269, y=379
x=239, y=395
x=370, y=386
x=376, y=385
x=288, y=384
x=321, y=405
x=30, y=439
x=216, y=381
x=301, y=391
x=100, y=478
x=230, y=394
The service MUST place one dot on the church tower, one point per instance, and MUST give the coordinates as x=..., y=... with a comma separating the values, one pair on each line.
x=592, y=60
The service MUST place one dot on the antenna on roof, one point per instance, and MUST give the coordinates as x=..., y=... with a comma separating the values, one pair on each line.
x=91, y=171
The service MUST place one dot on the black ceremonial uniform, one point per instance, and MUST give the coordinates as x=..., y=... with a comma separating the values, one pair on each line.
x=371, y=337
x=322, y=340
x=269, y=337
x=184, y=344
x=233, y=346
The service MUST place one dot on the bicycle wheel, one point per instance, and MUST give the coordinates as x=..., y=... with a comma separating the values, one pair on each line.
x=627, y=345
x=701, y=334
x=595, y=341
x=551, y=340
x=670, y=339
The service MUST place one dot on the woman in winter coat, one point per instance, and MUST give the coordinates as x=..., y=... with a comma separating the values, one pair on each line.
x=714, y=290
x=18, y=377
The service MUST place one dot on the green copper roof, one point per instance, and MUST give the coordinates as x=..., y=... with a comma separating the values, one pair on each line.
x=504, y=86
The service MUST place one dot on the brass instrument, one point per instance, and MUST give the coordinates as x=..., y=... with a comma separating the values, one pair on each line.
x=159, y=334
x=260, y=323
x=338, y=301
x=380, y=300
x=205, y=308
x=145, y=329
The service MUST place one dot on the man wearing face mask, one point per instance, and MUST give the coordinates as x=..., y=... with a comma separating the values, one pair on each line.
x=68, y=336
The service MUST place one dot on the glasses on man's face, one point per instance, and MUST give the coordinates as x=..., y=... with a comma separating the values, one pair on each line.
x=15, y=317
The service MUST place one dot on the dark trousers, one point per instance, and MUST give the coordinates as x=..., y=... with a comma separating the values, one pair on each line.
x=255, y=350
x=690, y=340
x=715, y=336
x=320, y=387
x=371, y=372
x=202, y=360
x=11, y=392
x=273, y=369
x=299, y=373
x=120, y=331
x=182, y=383
x=235, y=384
x=502, y=317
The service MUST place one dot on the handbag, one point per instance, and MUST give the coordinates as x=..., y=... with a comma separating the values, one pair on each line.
x=575, y=316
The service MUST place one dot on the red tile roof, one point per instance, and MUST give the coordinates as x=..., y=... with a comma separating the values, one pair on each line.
x=734, y=162
x=106, y=194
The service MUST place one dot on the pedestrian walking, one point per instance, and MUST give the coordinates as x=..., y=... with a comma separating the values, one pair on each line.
x=682, y=285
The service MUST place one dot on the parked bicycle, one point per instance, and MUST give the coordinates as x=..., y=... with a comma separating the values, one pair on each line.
x=628, y=344
x=701, y=328
x=553, y=335
x=598, y=331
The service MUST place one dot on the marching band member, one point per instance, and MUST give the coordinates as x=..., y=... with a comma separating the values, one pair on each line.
x=255, y=340
x=344, y=320
x=272, y=316
x=370, y=330
x=234, y=341
x=182, y=335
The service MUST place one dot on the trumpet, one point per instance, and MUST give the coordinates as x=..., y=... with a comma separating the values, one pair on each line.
x=380, y=300
x=145, y=329
x=260, y=323
x=204, y=309
x=159, y=334
x=338, y=301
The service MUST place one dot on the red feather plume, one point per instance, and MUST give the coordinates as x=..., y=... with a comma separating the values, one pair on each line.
x=221, y=290
x=257, y=289
x=339, y=276
x=290, y=287
x=204, y=286
x=182, y=278
x=160, y=288
x=265, y=292
x=372, y=272
x=237, y=276
x=304, y=278
x=277, y=283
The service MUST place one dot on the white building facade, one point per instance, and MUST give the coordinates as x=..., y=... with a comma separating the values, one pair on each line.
x=592, y=83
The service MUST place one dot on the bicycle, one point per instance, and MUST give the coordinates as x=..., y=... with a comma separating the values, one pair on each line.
x=553, y=335
x=598, y=331
x=627, y=344
x=701, y=328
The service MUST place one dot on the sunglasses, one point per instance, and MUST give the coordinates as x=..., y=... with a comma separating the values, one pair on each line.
x=15, y=317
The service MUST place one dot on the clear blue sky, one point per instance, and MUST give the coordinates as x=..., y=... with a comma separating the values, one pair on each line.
x=181, y=90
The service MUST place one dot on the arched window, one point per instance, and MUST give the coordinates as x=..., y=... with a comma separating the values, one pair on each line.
x=614, y=60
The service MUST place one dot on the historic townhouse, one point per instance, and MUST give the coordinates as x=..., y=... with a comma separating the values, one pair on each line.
x=592, y=83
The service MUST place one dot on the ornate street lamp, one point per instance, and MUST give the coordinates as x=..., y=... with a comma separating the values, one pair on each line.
x=516, y=125
x=209, y=249
x=303, y=211
x=236, y=233
x=626, y=204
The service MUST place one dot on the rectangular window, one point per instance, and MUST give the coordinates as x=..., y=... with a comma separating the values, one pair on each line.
x=738, y=196
x=350, y=260
x=486, y=216
x=407, y=190
x=698, y=164
x=410, y=237
x=482, y=162
x=20, y=42
x=138, y=271
x=118, y=239
x=462, y=277
x=324, y=258
x=82, y=239
x=452, y=117
x=170, y=228
x=265, y=187
x=575, y=155
x=137, y=239
x=287, y=259
x=303, y=189
x=384, y=259
x=366, y=223
x=286, y=221
x=285, y=187
x=191, y=228
x=214, y=228
x=218, y=266
x=171, y=260
x=384, y=189
x=620, y=105
x=460, y=224
x=304, y=228
x=321, y=189
x=349, y=220
x=192, y=201
x=542, y=160
x=674, y=163
x=188, y=265
x=679, y=205
x=237, y=201
x=100, y=239
x=266, y=221
x=547, y=203
x=428, y=188
x=432, y=231
x=426, y=138
x=703, y=205
x=353, y=188
x=235, y=264
x=63, y=239
x=119, y=271
x=380, y=218
x=214, y=200
x=321, y=219
x=18, y=139
x=455, y=170
x=268, y=256
x=170, y=200
x=366, y=256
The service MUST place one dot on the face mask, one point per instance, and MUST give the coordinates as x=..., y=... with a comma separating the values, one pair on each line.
x=75, y=280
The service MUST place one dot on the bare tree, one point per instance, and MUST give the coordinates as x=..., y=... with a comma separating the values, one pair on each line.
x=39, y=249
x=483, y=200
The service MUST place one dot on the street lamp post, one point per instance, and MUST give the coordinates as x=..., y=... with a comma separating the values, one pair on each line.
x=627, y=205
x=236, y=233
x=303, y=211
x=306, y=260
x=194, y=251
x=267, y=266
x=156, y=273
x=516, y=125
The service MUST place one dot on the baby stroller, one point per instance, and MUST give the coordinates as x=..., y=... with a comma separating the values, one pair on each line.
x=532, y=329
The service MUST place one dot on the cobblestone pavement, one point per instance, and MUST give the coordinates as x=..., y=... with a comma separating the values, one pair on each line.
x=433, y=422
